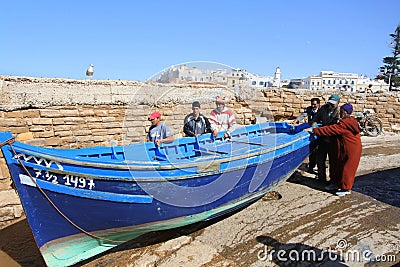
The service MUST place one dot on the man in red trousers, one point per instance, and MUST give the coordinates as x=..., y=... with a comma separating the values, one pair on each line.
x=349, y=145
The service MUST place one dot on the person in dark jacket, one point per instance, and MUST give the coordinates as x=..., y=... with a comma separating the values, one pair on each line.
x=310, y=113
x=195, y=123
x=349, y=148
x=328, y=114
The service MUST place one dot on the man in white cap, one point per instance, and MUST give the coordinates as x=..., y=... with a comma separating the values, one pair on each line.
x=222, y=119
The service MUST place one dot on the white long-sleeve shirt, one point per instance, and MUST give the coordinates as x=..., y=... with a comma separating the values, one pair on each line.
x=223, y=121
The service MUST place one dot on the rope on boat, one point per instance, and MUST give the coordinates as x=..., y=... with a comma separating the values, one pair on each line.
x=8, y=142
x=12, y=140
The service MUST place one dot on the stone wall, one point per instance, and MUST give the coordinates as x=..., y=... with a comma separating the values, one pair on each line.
x=75, y=113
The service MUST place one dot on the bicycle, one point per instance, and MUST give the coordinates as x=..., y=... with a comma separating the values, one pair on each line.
x=370, y=125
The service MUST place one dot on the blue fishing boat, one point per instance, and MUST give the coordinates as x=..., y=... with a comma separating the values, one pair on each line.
x=81, y=202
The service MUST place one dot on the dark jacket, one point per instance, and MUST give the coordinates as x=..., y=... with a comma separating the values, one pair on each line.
x=309, y=113
x=193, y=126
x=325, y=117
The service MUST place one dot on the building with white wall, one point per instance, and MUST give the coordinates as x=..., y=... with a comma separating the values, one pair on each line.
x=185, y=74
x=342, y=81
x=231, y=77
x=264, y=81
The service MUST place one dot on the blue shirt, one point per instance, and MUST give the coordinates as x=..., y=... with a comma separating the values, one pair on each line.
x=158, y=132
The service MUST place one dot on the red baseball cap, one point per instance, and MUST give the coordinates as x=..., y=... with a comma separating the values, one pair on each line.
x=154, y=115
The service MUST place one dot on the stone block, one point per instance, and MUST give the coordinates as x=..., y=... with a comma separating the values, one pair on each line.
x=99, y=131
x=18, y=211
x=114, y=131
x=73, y=120
x=67, y=140
x=63, y=133
x=100, y=112
x=30, y=113
x=275, y=100
x=5, y=183
x=69, y=113
x=108, y=119
x=6, y=213
x=58, y=121
x=36, y=128
x=12, y=122
x=42, y=121
x=19, y=130
x=9, y=197
x=52, y=141
x=22, y=137
x=97, y=139
x=86, y=112
x=112, y=125
x=44, y=134
x=49, y=113
x=59, y=128
x=13, y=114
x=83, y=139
x=82, y=132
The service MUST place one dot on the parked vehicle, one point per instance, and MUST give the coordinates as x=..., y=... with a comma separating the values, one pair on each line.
x=370, y=125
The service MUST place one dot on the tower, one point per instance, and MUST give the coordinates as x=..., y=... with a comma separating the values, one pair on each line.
x=277, y=77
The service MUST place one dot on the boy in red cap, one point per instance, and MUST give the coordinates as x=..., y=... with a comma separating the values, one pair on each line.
x=159, y=132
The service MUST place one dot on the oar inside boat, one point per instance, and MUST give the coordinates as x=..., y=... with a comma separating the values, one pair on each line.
x=245, y=142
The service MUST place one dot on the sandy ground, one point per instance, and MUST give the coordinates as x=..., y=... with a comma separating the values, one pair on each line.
x=299, y=224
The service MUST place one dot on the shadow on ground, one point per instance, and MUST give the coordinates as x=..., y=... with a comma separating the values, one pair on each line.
x=381, y=185
x=294, y=254
x=16, y=240
x=300, y=176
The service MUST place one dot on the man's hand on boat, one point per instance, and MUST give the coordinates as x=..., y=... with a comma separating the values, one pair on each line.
x=226, y=135
x=168, y=139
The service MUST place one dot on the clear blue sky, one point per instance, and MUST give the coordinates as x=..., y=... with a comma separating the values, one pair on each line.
x=133, y=40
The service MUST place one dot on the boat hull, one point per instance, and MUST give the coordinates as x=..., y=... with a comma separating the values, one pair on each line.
x=75, y=216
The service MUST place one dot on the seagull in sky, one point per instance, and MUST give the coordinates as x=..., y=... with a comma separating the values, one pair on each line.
x=90, y=71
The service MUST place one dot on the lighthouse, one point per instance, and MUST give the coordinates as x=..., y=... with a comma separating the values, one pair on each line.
x=277, y=77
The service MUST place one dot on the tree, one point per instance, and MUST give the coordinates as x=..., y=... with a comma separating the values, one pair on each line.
x=390, y=69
